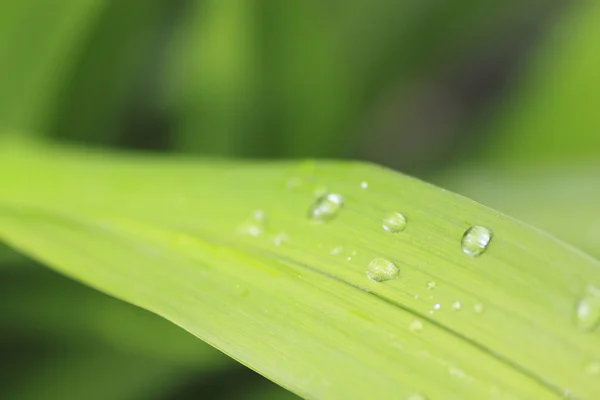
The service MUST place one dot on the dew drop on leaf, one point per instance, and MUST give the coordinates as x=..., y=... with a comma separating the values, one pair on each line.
x=475, y=240
x=416, y=326
x=456, y=305
x=254, y=225
x=326, y=207
x=280, y=239
x=394, y=222
x=431, y=285
x=478, y=308
x=587, y=312
x=380, y=270
x=364, y=185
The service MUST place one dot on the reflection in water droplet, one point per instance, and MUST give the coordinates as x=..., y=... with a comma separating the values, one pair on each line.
x=416, y=326
x=456, y=305
x=380, y=270
x=254, y=225
x=326, y=207
x=587, y=314
x=394, y=222
x=364, y=184
x=478, y=308
x=475, y=240
x=431, y=285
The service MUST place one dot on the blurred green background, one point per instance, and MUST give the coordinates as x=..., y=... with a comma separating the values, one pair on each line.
x=499, y=101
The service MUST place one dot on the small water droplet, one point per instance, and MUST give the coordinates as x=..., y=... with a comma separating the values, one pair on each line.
x=364, y=185
x=254, y=225
x=593, y=368
x=326, y=207
x=475, y=240
x=394, y=222
x=336, y=250
x=587, y=314
x=416, y=326
x=456, y=305
x=280, y=239
x=380, y=270
x=437, y=306
x=416, y=296
x=478, y=308
x=416, y=396
x=431, y=285
x=294, y=182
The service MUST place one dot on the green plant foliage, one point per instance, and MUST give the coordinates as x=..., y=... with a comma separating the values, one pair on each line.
x=553, y=116
x=40, y=41
x=98, y=94
x=181, y=238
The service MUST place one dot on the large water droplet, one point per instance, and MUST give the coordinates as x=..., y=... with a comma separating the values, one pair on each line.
x=380, y=270
x=587, y=313
x=326, y=207
x=475, y=240
x=254, y=225
x=394, y=222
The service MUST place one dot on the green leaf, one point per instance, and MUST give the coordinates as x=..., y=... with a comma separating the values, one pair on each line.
x=167, y=234
x=40, y=43
x=553, y=117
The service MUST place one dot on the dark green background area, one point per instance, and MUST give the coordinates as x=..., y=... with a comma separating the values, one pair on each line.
x=473, y=95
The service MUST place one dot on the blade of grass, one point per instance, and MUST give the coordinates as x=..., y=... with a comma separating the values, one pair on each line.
x=161, y=234
x=553, y=118
x=40, y=41
x=93, y=101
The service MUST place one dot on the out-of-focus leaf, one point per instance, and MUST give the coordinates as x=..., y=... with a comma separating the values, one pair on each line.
x=172, y=235
x=113, y=63
x=39, y=41
x=96, y=373
x=217, y=78
x=554, y=117
x=45, y=302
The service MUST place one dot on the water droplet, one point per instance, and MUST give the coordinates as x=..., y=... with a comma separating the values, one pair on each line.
x=478, y=308
x=416, y=326
x=587, y=314
x=254, y=225
x=364, y=185
x=431, y=285
x=280, y=239
x=348, y=258
x=380, y=270
x=475, y=240
x=336, y=250
x=326, y=207
x=416, y=396
x=456, y=305
x=437, y=306
x=593, y=368
x=394, y=222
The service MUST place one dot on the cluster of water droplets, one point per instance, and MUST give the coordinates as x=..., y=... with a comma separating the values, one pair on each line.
x=474, y=242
